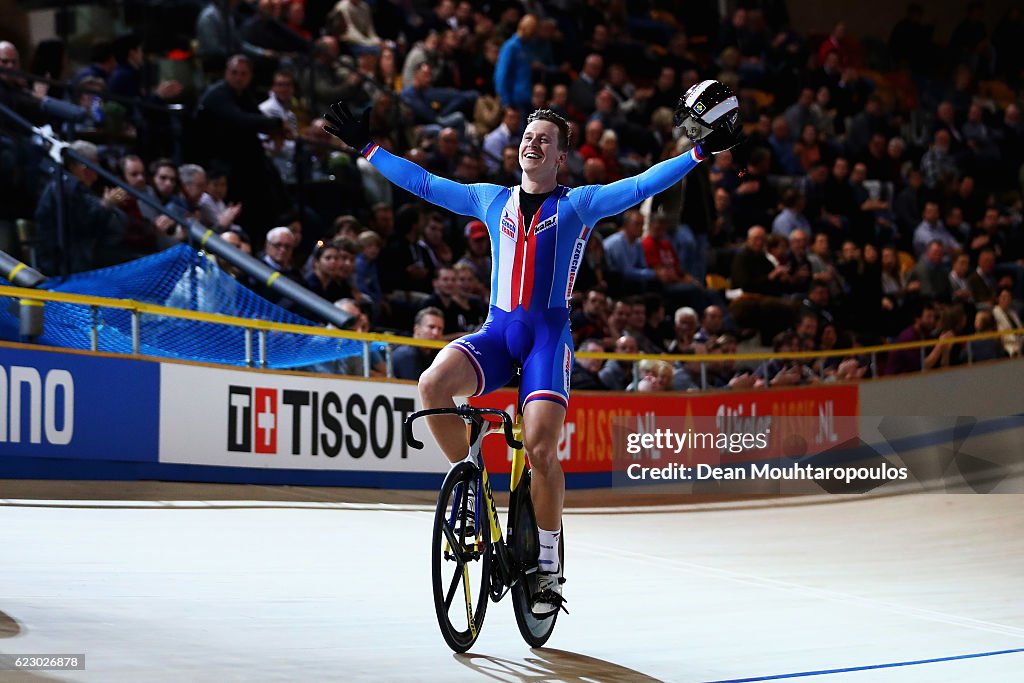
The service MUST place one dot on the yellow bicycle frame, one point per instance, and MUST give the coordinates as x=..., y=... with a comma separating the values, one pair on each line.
x=518, y=467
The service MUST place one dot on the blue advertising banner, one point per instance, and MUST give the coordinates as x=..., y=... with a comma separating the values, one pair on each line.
x=73, y=406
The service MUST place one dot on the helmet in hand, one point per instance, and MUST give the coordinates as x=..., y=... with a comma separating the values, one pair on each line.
x=709, y=114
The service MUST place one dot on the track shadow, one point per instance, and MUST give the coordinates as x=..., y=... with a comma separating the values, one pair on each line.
x=9, y=626
x=548, y=664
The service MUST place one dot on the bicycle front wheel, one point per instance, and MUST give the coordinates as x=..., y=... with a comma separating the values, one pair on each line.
x=461, y=561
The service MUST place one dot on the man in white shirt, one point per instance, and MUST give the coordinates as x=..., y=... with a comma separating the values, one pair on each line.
x=495, y=142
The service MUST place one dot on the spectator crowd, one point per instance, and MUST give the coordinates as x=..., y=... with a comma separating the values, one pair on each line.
x=876, y=195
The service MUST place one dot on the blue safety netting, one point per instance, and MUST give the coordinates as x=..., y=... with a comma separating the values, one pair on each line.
x=179, y=277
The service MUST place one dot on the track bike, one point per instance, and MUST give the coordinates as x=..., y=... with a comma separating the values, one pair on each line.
x=477, y=558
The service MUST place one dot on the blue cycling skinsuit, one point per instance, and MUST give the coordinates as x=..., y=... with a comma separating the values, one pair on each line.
x=535, y=260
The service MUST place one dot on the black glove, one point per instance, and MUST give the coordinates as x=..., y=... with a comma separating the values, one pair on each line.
x=354, y=132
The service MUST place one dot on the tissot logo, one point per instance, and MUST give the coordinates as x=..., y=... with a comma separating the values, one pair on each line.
x=317, y=422
x=243, y=430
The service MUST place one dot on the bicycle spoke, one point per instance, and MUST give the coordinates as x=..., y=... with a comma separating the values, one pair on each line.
x=453, y=588
x=457, y=546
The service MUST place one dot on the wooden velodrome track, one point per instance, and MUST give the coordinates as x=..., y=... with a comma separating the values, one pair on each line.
x=170, y=582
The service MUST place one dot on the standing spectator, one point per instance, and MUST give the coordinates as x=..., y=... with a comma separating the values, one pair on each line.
x=231, y=121
x=513, y=74
x=409, y=362
x=218, y=35
x=93, y=227
x=280, y=145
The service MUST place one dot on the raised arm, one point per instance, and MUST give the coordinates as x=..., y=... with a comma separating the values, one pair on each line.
x=467, y=200
x=594, y=202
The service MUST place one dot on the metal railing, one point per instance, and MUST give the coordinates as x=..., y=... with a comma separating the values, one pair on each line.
x=256, y=354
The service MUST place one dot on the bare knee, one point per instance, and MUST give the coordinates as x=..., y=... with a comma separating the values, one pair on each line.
x=543, y=457
x=435, y=386
x=450, y=375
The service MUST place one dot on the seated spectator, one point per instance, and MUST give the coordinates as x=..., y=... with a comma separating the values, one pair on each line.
x=791, y=217
x=1007, y=318
x=333, y=268
x=655, y=375
x=505, y=135
x=433, y=241
x=923, y=327
x=617, y=374
x=213, y=201
x=409, y=362
x=436, y=108
x=626, y=258
x=367, y=274
x=164, y=191
x=192, y=178
x=984, y=349
x=140, y=236
x=478, y=255
x=958, y=276
x=932, y=229
x=822, y=268
x=360, y=36
x=931, y=275
x=586, y=372
x=590, y=320
x=277, y=253
x=779, y=372
x=686, y=325
x=982, y=281
x=712, y=325
x=723, y=374
x=461, y=315
x=938, y=166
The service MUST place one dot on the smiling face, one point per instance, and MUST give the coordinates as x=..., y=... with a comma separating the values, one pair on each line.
x=538, y=152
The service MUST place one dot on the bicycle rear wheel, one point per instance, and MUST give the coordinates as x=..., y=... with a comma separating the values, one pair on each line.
x=526, y=548
x=461, y=566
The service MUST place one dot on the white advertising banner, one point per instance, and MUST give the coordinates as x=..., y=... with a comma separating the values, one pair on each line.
x=236, y=418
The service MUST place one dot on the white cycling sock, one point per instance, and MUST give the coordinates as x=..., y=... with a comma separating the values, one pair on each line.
x=548, y=560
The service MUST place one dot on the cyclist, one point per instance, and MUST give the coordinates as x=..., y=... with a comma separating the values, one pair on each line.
x=538, y=232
